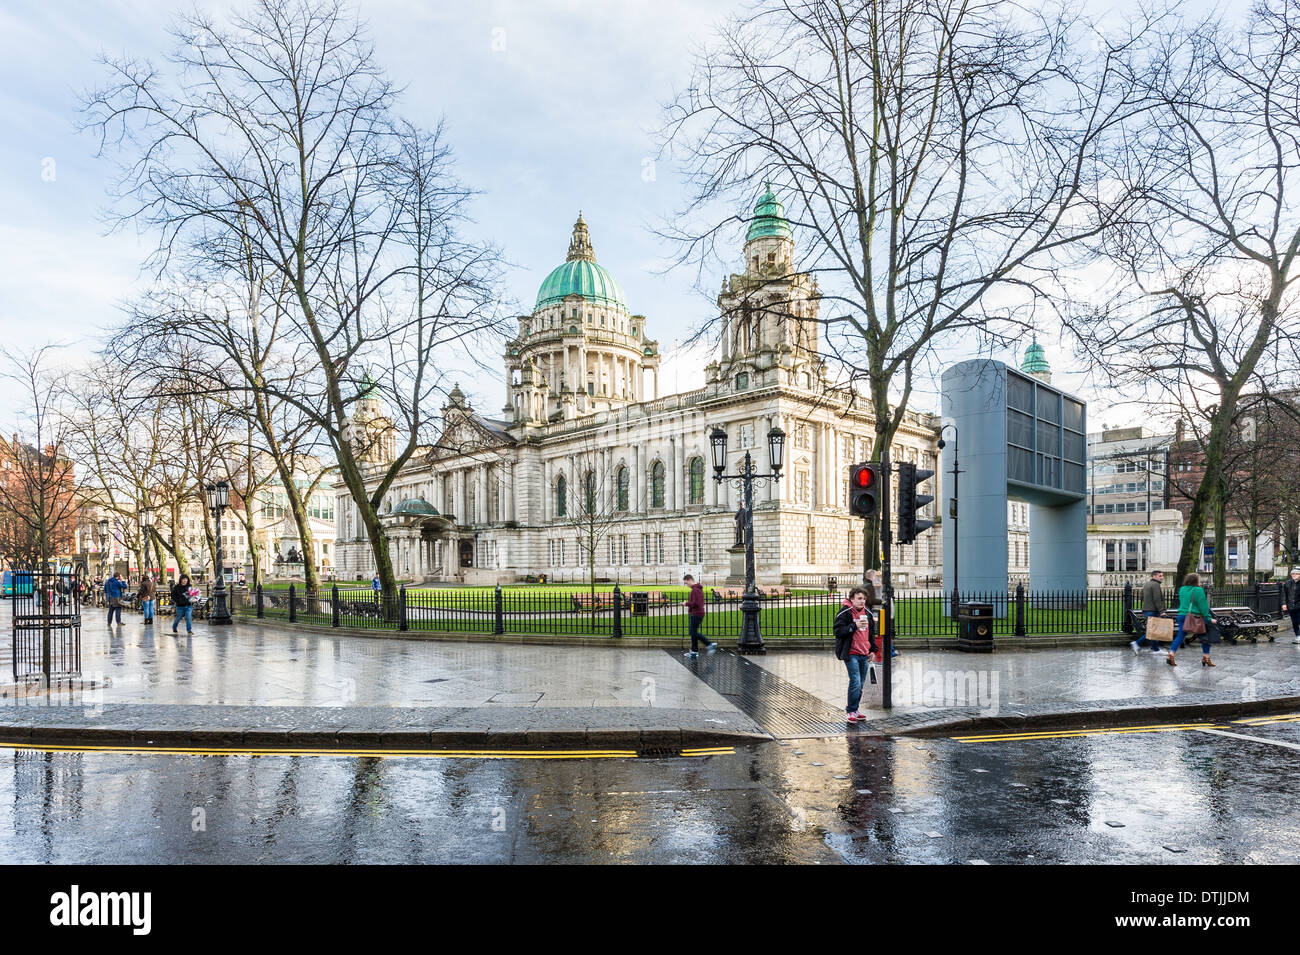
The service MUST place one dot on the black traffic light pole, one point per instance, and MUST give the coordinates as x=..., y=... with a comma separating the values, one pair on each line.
x=887, y=597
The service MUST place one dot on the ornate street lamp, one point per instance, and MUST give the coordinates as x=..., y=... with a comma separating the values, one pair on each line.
x=218, y=497
x=751, y=638
x=146, y=523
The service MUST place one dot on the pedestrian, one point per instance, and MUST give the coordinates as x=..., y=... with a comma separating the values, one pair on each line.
x=148, y=589
x=695, y=614
x=1193, y=619
x=1291, y=602
x=1153, y=605
x=376, y=587
x=182, y=607
x=854, y=644
x=113, y=590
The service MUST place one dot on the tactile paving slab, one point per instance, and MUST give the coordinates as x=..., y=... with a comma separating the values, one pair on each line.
x=777, y=705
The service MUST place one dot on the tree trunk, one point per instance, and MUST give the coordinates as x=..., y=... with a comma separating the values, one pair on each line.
x=1220, y=540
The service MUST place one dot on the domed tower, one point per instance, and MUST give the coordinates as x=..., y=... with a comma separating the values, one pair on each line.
x=581, y=350
x=769, y=311
x=368, y=429
x=1035, y=363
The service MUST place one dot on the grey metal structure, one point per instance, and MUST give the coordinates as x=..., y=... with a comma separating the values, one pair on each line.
x=1025, y=440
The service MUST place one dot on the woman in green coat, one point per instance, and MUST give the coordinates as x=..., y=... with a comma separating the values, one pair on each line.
x=1192, y=599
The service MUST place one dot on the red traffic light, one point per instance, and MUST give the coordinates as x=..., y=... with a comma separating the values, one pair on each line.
x=863, y=477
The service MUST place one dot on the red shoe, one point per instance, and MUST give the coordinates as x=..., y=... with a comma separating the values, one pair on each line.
x=852, y=717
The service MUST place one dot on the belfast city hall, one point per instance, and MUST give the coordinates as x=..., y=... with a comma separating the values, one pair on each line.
x=588, y=458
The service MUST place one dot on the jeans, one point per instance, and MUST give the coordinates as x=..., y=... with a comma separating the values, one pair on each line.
x=115, y=610
x=857, y=667
x=146, y=608
x=1295, y=619
x=696, y=621
x=1179, y=635
x=188, y=614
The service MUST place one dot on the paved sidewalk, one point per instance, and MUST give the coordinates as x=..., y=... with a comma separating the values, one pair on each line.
x=262, y=685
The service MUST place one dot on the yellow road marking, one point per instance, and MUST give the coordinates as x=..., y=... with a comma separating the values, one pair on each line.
x=406, y=753
x=1259, y=720
x=1068, y=734
x=427, y=753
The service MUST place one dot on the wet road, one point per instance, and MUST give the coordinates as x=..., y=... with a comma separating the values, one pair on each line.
x=1181, y=796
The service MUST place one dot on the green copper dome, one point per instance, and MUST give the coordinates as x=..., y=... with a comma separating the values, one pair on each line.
x=580, y=275
x=769, y=218
x=1035, y=359
x=415, y=507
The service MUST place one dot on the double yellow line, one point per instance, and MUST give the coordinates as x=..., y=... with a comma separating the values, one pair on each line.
x=1265, y=720
x=382, y=753
x=1072, y=734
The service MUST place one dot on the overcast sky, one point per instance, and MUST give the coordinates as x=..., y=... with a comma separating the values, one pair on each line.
x=550, y=105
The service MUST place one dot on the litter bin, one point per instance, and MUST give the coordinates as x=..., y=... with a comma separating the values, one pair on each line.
x=975, y=628
x=832, y=584
x=640, y=603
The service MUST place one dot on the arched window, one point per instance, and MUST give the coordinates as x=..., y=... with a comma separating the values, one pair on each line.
x=657, y=484
x=620, y=501
x=697, y=481
x=561, y=497
x=589, y=492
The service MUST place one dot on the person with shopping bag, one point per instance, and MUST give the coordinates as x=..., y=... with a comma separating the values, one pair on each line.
x=1194, y=620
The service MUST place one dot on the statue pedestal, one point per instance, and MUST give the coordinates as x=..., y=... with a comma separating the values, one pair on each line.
x=737, y=576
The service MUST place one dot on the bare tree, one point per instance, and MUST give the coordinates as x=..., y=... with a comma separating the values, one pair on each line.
x=38, y=498
x=1209, y=238
x=935, y=157
x=274, y=138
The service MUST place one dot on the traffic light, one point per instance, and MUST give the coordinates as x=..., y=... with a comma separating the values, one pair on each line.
x=909, y=502
x=864, y=490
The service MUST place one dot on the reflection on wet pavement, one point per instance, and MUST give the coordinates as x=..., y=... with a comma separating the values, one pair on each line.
x=1186, y=797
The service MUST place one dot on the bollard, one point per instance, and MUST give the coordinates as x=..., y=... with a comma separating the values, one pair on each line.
x=500, y=615
x=293, y=612
x=334, y=605
x=1127, y=623
x=261, y=607
x=1020, y=609
x=618, y=612
x=401, y=609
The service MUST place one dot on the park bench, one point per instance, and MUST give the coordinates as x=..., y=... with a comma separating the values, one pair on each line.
x=592, y=601
x=1241, y=623
x=776, y=592
x=727, y=593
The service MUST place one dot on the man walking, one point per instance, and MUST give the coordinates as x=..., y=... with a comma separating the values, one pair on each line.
x=1153, y=605
x=695, y=611
x=1291, y=602
x=375, y=586
x=113, y=590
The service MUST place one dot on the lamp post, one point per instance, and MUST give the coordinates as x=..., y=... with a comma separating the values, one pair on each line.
x=218, y=498
x=751, y=638
x=103, y=546
x=952, y=510
x=146, y=525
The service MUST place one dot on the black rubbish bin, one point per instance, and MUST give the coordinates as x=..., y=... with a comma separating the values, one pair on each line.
x=975, y=628
x=640, y=603
x=832, y=584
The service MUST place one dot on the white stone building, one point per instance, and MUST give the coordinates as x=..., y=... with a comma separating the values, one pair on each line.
x=588, y=456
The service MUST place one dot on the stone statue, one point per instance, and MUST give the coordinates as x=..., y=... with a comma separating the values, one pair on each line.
x=742, y=517
x=293, y=555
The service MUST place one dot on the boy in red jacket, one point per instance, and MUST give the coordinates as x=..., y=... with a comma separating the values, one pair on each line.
x=695, y=611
